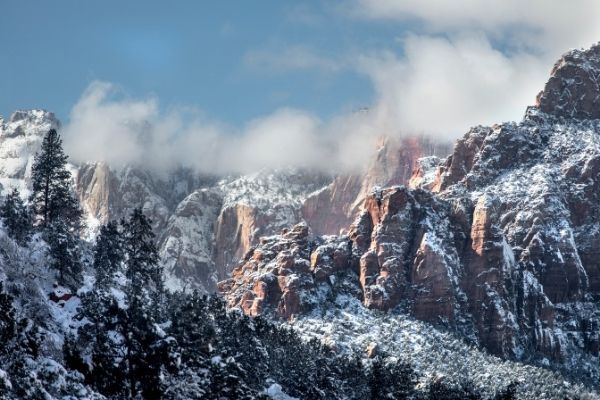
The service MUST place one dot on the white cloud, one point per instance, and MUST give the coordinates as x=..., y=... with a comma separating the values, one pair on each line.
x=442, y=87
x=550, y=25
x=472, y=62
x=106, y=125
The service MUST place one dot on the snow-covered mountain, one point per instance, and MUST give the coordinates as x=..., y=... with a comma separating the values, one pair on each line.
x=498, y=242
x=205, y=224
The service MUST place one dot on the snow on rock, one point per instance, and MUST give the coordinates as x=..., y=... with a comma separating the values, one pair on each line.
x=186, y=243
x=259, y=204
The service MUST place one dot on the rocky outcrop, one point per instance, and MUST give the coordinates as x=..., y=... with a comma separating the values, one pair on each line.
x=573, y=88
x=98, y=189
x=332, y=209
x=256, y=205
x=186, y=243
x=285, y=283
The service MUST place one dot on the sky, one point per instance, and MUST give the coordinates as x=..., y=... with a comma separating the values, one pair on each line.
x=239, y=86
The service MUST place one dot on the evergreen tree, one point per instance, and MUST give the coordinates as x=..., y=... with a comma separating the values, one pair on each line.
x=56, y=208
x=8, y=323
x=391, y=380
x=65, y=253
x=144, y=345
x=192, y=327
x=144, y=274
x=101, y=309
x=52, y=198
x=442, y=390
x=508, y=393
x=108, y=255
x=20, y=345
x=16, y=217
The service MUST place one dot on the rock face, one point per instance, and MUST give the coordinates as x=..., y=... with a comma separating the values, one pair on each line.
x=186, y=242
x=335, y=207
x=501, y=243
x=573, y=87
x=259, y=204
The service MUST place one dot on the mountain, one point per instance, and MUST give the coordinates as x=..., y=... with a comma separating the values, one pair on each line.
x=204, y=223
x=479, y=267
x=498, y=242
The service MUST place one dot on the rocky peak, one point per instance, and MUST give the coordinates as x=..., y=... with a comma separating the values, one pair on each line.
x=30, y=123
x=573, y=90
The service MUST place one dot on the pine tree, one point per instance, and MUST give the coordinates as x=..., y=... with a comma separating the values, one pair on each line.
x=108, y=255
x=391, y=380
x=56, y=208
x=52, y=198
x=144, y=274
x=65, y=253
x=16, y=217
x=145, y=298
x=8, y=323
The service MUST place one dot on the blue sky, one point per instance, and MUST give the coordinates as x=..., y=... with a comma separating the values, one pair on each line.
x=240, y=85
x=186, y=52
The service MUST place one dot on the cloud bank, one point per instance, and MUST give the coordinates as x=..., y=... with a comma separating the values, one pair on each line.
x=107, y=125
x=471, y=61
x=466, y=62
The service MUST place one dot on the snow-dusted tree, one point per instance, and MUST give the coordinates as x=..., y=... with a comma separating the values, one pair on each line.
x=108, y=255
x=65, y=253
x=440, y=389
x=56, y=208
x=101, y=309
x=8, y=322
x=144, y=342
x=52, y=198
x=16, y=217
x=144, y=274
x=391, y=380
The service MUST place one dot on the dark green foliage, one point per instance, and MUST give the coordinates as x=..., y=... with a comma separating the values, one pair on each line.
x=8, y=323
x=52, y=198
x=509, y=393
x=442, y=390
x=144, y=290
x=65, y=253
x=144, y=274
x=129, y=351
x=108, y=255
x=392, y=380
x=16, y=217
x=104, y=315
x=56, y=209
x=20, y=344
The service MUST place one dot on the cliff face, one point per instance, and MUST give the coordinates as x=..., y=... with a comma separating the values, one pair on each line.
x=503, y=248
x=335, y=207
